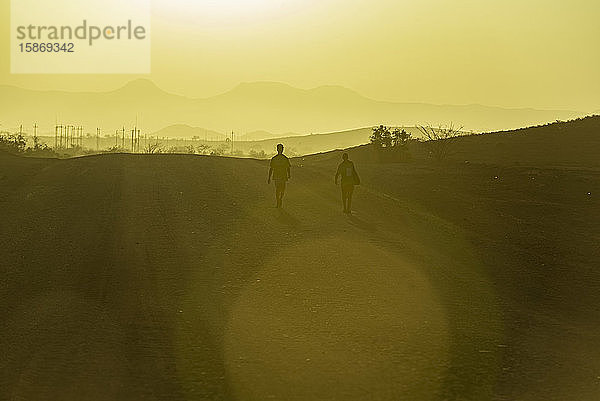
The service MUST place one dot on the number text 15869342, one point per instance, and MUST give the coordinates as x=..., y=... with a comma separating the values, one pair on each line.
x=50, y=47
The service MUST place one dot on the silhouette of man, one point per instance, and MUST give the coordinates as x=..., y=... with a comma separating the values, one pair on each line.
x=280, y=171
x=350, y=178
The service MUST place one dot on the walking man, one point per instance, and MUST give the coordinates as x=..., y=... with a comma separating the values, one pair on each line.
x=279, y=170
x=350, y=178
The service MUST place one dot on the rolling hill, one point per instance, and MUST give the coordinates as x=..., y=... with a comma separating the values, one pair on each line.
x=172, y=276
x=560, y=144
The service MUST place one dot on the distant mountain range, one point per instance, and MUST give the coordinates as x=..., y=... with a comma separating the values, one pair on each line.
x=262, y=136
x=186, y=131
x=307, y=144
x=249, y=107
x=316, y=143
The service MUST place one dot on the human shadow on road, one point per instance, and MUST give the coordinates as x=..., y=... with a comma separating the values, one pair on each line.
x=287, y=219
x=363, y=225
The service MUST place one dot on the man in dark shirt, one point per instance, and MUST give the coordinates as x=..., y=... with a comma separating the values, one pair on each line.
x=279, y=170
x=350, y=178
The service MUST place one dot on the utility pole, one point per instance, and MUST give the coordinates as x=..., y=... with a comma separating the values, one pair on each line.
x=97, y=138
x=35, y=137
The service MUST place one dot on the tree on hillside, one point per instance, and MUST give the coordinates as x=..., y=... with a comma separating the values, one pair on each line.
x=203, y=149
x=219, y=150
x=400, y=138
x=440, y=140
x=39, y=149
x=17, y=144
x=381, y=137
x=12, y=143
x=384, y=137
x=377, y=136
x=152, y=148
x=257, y=154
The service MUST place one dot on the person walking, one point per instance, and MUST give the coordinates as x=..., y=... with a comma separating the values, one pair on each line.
x=349, y=178
x=279, y=170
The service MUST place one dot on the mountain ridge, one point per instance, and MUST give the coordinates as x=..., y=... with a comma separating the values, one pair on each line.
x=250, y=106
x=149, y=84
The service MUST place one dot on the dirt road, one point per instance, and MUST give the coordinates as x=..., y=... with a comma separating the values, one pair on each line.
x=174, y=278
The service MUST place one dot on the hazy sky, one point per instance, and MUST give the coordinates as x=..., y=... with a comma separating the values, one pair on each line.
x=533, y=53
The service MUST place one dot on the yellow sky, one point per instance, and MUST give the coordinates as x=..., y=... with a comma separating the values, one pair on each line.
x=515, y=53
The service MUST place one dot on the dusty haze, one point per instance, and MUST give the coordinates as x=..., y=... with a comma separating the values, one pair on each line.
x=512, y=53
